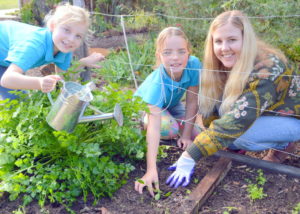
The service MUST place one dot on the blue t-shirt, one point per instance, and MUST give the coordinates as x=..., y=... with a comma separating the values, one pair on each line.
x=160, y=90
x=29, y=46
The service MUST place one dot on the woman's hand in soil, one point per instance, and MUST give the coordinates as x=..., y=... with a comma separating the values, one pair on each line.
x=184, y=168
x=92, y=60
x=183, y=143
x=148, y=180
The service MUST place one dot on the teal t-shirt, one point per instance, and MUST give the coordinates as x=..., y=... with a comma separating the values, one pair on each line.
x=29, y=46
x=160, y=90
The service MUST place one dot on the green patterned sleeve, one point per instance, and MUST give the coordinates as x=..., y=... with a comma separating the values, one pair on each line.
x=257, y=96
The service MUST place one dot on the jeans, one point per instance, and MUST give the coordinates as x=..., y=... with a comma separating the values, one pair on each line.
x=4, y=92
x=269, y=132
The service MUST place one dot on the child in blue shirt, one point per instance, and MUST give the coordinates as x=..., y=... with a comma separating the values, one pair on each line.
x=176, y=73
x=24, y=46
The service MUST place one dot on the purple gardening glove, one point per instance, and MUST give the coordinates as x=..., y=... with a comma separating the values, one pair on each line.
x=184, y=168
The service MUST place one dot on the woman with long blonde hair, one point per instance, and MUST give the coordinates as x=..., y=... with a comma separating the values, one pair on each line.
x=250, y=91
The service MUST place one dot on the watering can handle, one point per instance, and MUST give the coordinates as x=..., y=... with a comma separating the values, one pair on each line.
x=50, y=98
x=49, y=95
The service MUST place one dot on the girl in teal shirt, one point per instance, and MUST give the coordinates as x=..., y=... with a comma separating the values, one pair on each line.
x=24, y=46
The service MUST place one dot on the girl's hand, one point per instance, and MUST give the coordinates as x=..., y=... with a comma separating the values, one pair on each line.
x=92, y=60
x=183, y=143
x=48, y=83
x=148, y=180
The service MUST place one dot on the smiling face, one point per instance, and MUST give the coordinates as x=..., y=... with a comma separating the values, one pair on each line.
x=67, y=37
x=174, y=56
x=227, y=44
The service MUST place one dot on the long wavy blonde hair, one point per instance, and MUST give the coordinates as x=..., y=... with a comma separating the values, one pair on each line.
x=226, y=86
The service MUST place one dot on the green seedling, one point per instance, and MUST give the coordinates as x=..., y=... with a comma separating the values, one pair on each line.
x=255, y=190
x=157, y=194
x=196, y=180
x=229, y=209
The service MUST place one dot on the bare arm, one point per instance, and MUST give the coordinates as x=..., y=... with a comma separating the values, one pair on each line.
x=153, y=137
x=13, y=78
x=92, y=60
x=190, y=116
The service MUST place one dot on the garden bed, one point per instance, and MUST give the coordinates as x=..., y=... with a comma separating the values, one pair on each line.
x=231, y=195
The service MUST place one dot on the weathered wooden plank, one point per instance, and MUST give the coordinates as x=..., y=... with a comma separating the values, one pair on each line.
x=206, y=186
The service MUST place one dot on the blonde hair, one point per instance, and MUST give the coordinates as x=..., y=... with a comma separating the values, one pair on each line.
x=66, y=13
x=214, y=85
x=165, y=33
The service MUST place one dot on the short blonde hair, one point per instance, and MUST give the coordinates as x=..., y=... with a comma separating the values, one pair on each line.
x=66, y=13
x=165, y=33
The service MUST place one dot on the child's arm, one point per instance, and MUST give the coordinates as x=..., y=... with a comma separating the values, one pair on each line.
x=190, y=116
x=153, y=137
x=13, y=78
x=92, y=60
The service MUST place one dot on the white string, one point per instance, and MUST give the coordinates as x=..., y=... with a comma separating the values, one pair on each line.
x=193, y=18
x=220, y=101
x=128, y=53
x=217, y=71
x=163, y=89
x=172, y=85
x=270, y=111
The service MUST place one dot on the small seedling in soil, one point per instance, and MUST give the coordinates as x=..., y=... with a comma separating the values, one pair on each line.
x=230, y=210
x=255, y=190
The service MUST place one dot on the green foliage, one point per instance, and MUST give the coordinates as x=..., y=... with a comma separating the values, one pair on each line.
x=8, y=4
x=162, y=152
x=26, y=14
x=255, y=190
x=142, y=19
x=194, y=18
x=47, y=165
x=296, y=209
x=292, y=50
x=116, y=67
x=118, y=7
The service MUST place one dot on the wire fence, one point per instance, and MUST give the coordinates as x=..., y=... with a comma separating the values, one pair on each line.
x=137, y=79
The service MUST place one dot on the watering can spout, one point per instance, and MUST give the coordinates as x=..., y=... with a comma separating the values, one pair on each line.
x=117, y=115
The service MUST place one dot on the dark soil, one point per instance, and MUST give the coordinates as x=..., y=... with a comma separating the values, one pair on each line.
x=283, y=192
x=230, y=196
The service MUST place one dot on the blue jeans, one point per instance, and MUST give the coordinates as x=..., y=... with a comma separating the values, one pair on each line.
x=4, y=92
x=269, y=132
x=177, y=111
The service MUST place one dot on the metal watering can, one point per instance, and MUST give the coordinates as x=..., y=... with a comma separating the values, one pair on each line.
x=69, y=107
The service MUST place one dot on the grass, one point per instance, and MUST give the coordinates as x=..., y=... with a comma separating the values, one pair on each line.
x=8, y=4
